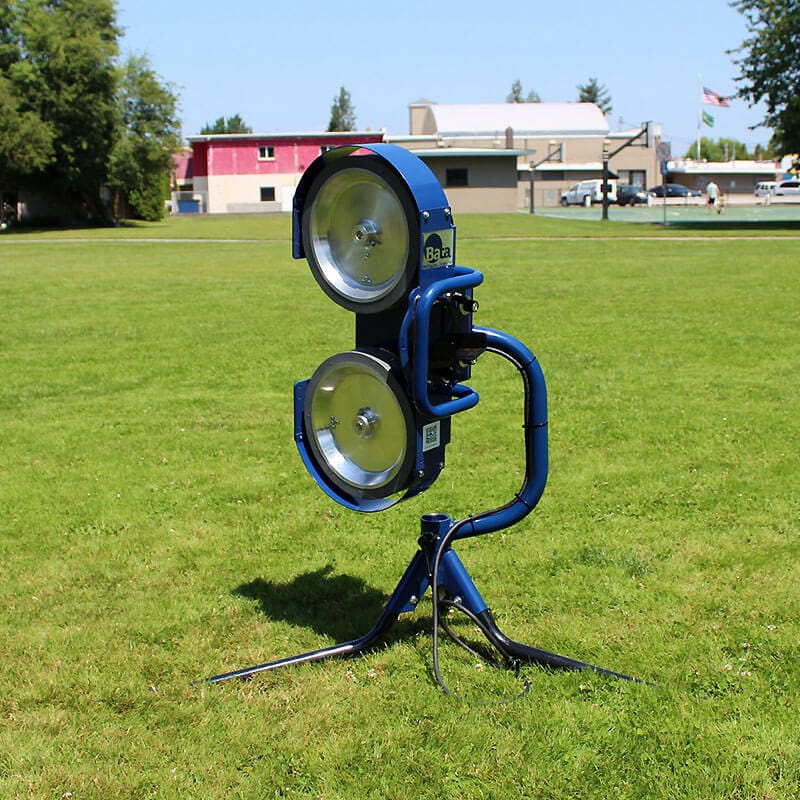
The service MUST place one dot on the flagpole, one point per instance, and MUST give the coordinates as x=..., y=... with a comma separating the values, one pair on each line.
x=699, y=111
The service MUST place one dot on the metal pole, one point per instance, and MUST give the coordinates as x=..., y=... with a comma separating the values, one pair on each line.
x=605, y=185
x=533, y=188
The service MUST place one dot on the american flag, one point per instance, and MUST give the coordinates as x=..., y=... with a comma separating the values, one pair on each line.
x=713, y=99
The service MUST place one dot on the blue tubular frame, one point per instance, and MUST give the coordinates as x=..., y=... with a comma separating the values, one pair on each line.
x=536, y=458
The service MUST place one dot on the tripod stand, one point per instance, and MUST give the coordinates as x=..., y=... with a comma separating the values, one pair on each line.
x=436, y=564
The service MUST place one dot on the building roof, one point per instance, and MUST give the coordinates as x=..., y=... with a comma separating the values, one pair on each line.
x=467, y=152
x=570, y=166
x=524, y=118
x=367, y=136
x=739, y=167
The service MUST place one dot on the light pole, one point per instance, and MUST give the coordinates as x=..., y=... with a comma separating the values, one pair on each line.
x=605, y=179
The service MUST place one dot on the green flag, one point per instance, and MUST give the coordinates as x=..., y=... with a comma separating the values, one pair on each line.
x=708, y=119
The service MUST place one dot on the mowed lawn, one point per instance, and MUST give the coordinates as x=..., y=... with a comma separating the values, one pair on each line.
x=157, y=525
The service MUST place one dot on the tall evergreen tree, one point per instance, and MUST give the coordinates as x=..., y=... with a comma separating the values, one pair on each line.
x=594, y=92
x=515, y=95
x=234, y=124
x=343, y=115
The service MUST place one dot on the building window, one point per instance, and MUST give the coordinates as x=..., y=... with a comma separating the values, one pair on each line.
x=635, y=177
x=266, y=153
x=456, y=177
x=551, y=175
x=267, y=194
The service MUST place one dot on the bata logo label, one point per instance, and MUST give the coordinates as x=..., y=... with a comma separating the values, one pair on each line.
x=436, y=252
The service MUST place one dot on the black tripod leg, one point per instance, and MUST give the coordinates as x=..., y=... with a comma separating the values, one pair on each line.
x=412, y=585
x=524, y=652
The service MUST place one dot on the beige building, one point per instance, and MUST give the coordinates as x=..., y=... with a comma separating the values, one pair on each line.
x=475, y=179
x=565, y=142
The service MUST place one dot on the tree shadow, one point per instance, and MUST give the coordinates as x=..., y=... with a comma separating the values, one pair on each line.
x=338, y=606
x=754, y=227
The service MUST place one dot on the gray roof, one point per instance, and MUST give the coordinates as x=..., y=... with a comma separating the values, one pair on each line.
x=525, y=118
x=468, y=152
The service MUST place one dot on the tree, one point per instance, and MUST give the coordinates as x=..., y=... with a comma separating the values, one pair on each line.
x=594, y=92
x=234, y=124
x=770, y=67
x=149, y=135
x=721, y=150
x=515, y=95
x=65, y=81
x=71, y=118
x=26, y=143
x=343, y=115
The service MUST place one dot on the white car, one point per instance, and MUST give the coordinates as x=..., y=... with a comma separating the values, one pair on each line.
x=587, y=192
x=765, y=188
x=790, y=188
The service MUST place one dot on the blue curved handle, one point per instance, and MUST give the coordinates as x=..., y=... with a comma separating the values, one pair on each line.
x=536, y=457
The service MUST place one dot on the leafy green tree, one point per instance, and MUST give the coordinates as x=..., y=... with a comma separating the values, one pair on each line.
x=9, y=48
x=762, y=153
x=720, y=150
x=770, y=66
x=343, y=115
x=515, y=95
x=234, y=124
x=26, y=143
x=149, y=135
x=66, y=77
x=594, y=92
x=72, y=118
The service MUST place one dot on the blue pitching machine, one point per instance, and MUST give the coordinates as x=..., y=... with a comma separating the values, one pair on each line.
x=372, y=425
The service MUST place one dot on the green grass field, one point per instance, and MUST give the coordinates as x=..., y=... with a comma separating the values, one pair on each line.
x=157, y=525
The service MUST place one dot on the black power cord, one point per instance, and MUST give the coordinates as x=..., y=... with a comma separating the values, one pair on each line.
x=438, y=620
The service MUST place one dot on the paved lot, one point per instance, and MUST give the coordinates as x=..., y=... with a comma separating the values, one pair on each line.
x=675, y=213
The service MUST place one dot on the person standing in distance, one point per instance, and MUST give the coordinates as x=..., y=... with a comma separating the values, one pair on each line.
x=713, y=196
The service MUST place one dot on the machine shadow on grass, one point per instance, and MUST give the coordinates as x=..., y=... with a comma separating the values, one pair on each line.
x=339, y=606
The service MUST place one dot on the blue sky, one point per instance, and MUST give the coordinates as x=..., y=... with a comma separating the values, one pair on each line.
x=280, y=64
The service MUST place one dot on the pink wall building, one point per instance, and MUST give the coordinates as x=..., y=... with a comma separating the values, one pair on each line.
x=247, y=173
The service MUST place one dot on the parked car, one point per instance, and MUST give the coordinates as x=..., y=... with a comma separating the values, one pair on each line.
x=790, y=187
x=588, y=192
x=765, y=188
x=631, y=194
x=674, y=190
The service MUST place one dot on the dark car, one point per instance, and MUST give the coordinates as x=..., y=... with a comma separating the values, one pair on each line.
x=675, y=190
x=630, y=194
